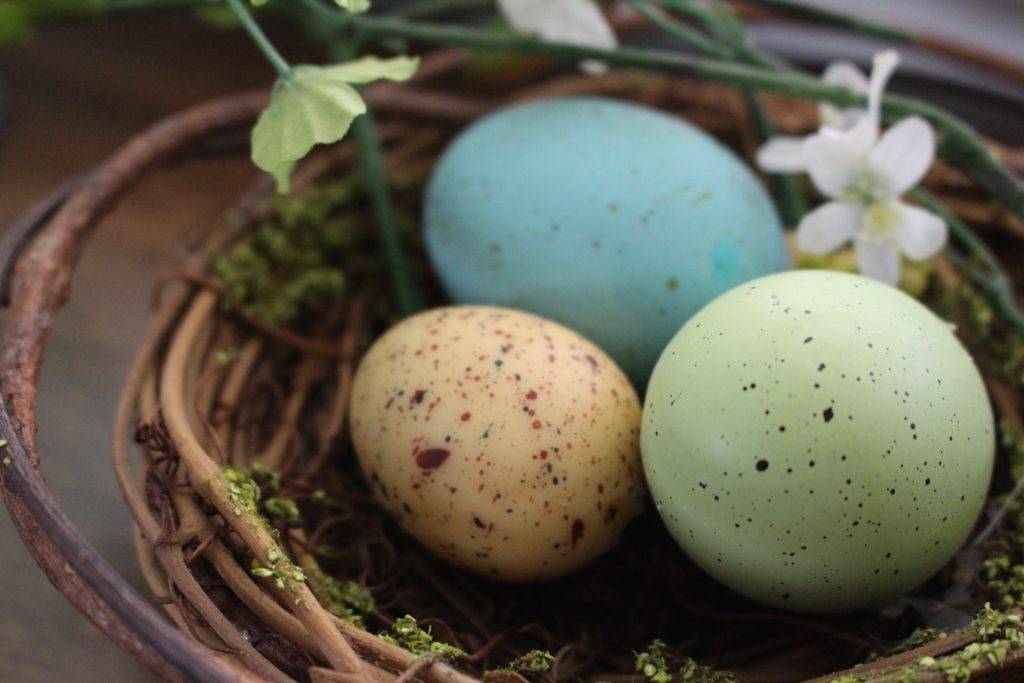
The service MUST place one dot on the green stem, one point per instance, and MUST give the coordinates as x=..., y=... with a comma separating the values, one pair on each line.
x=681, y=32
x=865, y=27
x=4, y=104
x=136, y=5
x=786, y=188
x=371, y=163
x=437, y=9
x=986, y=272
x=727, y=28
x=961, y=147
x=375, y=178
x=282, y=67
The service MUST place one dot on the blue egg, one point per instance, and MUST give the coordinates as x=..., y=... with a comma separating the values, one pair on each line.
x=616, y=220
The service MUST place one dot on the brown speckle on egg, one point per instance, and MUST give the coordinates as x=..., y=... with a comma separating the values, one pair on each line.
x=537, y=449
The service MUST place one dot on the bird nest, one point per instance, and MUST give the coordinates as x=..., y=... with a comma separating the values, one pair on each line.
x=254, y=527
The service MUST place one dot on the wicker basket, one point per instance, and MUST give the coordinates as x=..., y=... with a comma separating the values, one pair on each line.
x=181, y=404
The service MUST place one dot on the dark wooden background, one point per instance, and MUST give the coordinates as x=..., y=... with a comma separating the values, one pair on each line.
x=77, y=93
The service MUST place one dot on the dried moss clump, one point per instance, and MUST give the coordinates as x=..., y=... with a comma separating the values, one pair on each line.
x=977, y=323
x=346, y=600
x=998, y=633
x=405, y=632
x=294, y=262
x=654, y=664
x=533, y=662
x=917, y=638
x=280, y=569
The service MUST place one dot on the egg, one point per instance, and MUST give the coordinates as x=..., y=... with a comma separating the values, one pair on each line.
x=505, y=443
x=614, y=219
x=818, y=441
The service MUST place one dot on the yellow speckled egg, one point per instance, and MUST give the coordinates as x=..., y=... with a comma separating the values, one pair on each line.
x=504, y=442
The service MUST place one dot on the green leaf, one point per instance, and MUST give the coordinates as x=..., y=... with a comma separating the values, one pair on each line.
x=373, y=68
x=354, y=5
x=315, y=105
x=217, y=16
x=15, y=22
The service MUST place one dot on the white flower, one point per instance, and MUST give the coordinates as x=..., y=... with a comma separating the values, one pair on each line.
x=784, y=153
x=578, y=22
x=847, y=75
x=865, y=173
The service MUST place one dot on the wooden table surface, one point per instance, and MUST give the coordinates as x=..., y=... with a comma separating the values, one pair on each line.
x=77, y=93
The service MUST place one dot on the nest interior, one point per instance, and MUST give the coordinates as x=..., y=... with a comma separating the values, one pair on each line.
x=263, y=543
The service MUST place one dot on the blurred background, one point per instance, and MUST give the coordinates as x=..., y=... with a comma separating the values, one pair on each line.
x=76, y=92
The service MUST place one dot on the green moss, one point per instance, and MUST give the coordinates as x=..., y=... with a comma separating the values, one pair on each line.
x=346, y=600
x=294, y=262
x=998, y=634
x=282, y=508
x=533, y=662
x=919, y=637
x=915, y=276
x=243, y=492
x=245, y=489
x=279, y=568
x=653, y=664
x=976, y=324
x=406, y=633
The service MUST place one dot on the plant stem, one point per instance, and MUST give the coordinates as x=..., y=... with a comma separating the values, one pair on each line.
x=865, y=27
x=786, y=188
x=5, y=104
x=990, y=276
x=282, y=67
x=434, y=9
x=371, y=162
x=961, y=147
x=375, y=178
x=681, y=32
x=788, y=192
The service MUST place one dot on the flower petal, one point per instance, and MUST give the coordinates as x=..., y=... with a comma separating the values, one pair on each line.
x=920, y=233
x=877, y=258
x=833, y=158
x=846, y=74
x=882, y=67
x=904, y=154
x=782, y=154
x=828, y=227
x=579, y=22
x=832, y=116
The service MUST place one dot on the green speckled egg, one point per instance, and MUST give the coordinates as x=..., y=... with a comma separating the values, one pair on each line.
x=817, y=441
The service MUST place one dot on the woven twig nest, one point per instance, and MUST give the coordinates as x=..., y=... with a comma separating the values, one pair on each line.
x=238, y=414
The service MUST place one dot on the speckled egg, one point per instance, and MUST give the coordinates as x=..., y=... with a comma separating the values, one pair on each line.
x=818, y=441
x=504, y=442
x=617, y=220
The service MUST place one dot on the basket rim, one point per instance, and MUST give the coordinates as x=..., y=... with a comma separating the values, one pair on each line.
x=70, y=561
x=44, y=243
